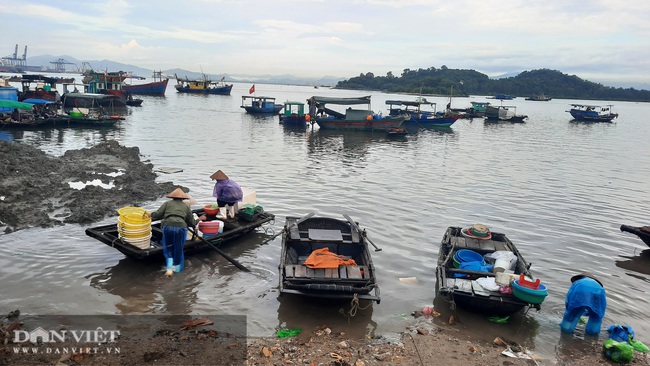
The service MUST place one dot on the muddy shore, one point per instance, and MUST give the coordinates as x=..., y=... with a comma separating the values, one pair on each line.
x=35, y=191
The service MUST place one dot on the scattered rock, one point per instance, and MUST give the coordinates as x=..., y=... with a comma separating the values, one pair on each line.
x=343, y=344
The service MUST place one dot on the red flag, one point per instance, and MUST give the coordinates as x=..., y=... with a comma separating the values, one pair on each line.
x=252, y=89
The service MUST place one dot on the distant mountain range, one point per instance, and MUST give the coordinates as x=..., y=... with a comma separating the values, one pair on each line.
x=76, y=66
x=79, y=66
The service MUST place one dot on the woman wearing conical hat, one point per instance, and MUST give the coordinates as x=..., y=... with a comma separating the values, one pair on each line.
x=176, y=216
x=226, y=191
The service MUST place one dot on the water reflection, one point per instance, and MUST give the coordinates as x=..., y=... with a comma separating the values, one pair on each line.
x=144, y=288
x=638, y=263
x=316, y=313
x=338, y=144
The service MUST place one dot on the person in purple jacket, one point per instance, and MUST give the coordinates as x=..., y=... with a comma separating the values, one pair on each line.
x=226, y=191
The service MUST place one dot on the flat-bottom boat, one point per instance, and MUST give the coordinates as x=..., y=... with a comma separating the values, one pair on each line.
x=643, y=232
x=233, y=228
x=302, y=236
x=458, y=285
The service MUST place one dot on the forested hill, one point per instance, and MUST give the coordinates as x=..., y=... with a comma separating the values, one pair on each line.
x=444, y=81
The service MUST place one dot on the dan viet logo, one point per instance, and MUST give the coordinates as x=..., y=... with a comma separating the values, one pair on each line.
x=40, y=335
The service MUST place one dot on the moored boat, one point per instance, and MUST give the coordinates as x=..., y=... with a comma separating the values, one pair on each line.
x=233, y=229
x=260, y=105
x=422, y=116
x=592, y=113
x=202, y=86
x=155, y=87
x=107, y=83
x=643, y=232
x=502, y=97
x=326, y=257
x=457, y=276
x=294, y=114
x=539, y=98
x=352, y=119
x=503, y=113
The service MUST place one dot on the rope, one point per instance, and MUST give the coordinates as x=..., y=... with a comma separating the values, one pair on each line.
x=416, y=348
x=354, y=307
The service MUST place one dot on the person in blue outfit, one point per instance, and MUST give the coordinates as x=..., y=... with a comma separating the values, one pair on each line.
x=226, y=191
x=176, y=216
x=586, y=296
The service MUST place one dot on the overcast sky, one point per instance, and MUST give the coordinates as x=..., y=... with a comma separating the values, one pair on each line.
x=606, y=40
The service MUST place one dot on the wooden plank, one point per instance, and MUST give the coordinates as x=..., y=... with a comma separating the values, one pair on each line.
x=331, y=272
x=499, y=245
x=319, y=272
x=459, y=241
x=365, y=273
x=301, y=271
x=354, y=272
x=310, y=272
x=343, y=272
x=472, y=243
x=289, y=270
x=487, y=245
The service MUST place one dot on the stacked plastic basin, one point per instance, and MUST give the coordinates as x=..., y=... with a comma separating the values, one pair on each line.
x=470, y=260
x=134, y=226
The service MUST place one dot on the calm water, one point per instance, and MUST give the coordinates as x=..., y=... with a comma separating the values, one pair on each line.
x=559, y=190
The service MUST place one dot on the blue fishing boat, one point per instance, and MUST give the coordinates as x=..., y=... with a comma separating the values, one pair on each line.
x=202, y=86
x=294, y=114
x=592, y=113
x=260, y=105
x=156, y=87
x=424, y=117
x=352, y=119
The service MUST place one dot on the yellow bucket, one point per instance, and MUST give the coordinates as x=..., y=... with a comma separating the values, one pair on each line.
x=142, y=243
x=134, y=215
x=125, y=225
x=134, y=234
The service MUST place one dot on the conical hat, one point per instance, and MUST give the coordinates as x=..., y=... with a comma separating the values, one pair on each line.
x=586, y=274
x=219, y=175
x=178, y=193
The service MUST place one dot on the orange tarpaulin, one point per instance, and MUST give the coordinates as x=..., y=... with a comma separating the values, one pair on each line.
x=323, y=258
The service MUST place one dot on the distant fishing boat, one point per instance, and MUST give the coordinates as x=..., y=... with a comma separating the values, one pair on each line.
x=592, y=113
x=503, y=113
x=157, y=87
x=202, y=86
x=539, y=98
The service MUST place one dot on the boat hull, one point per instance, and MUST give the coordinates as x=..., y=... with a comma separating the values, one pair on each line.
x=153, y=88
x=263, y=110
x=452, y=283
x=233, y=228
x=643, y=232
x=224, y=90
x=293, y=120
x=302, y=236
x=359, y=125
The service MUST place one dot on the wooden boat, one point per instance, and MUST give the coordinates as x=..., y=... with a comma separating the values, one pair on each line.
x=352, y=119
x=233, y=229
x=643, y=232
x=294, y=114
x=419, y=115
x=502, y=97
x=260, y=105
x=539, y=98
x=133, y=102
x=503, y=113
x=301, y=236
x=592, y=113
x=108, y=83
x=45, y=87
x=157, y=87
x=202, y=86
x=456, y=284
x=396, y=131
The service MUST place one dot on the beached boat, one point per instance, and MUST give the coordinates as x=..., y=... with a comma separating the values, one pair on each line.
x=156, y=87
x=592, y=113
x=260, y=105
x=643, y=232
x=352, y=119
x=294, y=114
x=233, y=229
x=503, y=113
x=458, y=283
x=202, y=86
x=422, y=116
x=334, y=239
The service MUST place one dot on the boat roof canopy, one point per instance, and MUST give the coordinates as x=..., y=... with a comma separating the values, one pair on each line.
x=592, y=106
x=342, y=101
x=89, y=96
x=15, y=104
x=38, y=101
x=251, y=97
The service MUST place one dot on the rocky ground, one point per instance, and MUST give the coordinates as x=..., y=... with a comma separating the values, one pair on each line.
x=34, y=191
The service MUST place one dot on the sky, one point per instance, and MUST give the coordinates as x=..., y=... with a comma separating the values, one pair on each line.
x=605, y=41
